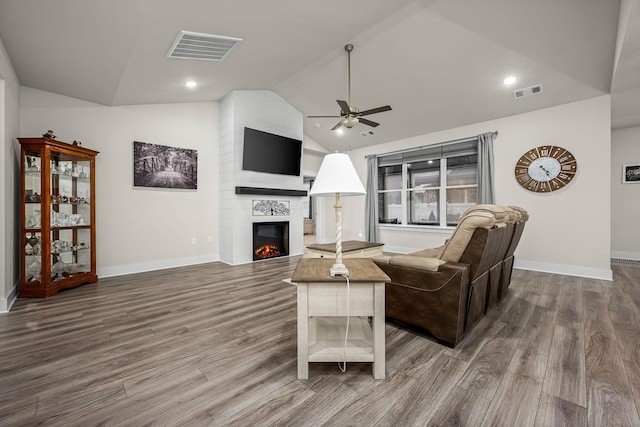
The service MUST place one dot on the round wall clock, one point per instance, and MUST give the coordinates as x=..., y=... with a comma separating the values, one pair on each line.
x=546, y=168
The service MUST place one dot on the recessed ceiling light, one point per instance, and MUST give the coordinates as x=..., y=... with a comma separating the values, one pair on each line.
x=509, y=80
x=191, y=84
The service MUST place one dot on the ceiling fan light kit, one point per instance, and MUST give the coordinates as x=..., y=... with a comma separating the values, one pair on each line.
x=349, y=114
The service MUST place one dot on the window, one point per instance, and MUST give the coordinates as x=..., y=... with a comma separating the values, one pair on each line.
x=412, y=185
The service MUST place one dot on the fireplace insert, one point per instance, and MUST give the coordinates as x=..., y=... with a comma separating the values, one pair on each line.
x=270, y=239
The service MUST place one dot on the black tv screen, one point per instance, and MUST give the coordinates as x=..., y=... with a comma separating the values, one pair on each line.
x=269, y=153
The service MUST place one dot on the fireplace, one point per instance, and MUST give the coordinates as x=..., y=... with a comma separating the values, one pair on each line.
x=270, y=239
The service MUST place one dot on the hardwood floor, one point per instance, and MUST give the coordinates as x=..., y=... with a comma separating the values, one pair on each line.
x=216, y=345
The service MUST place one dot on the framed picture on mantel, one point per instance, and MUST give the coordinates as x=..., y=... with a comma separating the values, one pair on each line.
x=631, y=174
x=162, y=166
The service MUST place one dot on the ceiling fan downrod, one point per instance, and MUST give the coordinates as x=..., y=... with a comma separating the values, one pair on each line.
x=348, y=48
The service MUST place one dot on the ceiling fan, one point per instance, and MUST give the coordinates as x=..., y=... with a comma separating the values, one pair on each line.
x=349, y=114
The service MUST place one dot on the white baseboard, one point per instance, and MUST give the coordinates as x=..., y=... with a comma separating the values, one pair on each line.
x=626, y=255
x=120, y=270
x=569, y=270
x=6, y=303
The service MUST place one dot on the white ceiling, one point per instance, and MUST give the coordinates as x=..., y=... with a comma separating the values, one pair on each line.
x=438, y=63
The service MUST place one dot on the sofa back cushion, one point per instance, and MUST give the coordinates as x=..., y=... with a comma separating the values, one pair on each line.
x=464, y=231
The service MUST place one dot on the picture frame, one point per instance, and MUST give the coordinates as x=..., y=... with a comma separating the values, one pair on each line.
x=162, y=166
x=631, y=174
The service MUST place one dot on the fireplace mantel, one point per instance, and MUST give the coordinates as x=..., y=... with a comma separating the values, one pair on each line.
x=270, y=191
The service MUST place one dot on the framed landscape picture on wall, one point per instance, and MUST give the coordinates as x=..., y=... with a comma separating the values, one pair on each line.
x=631, y=174
x=162, y=166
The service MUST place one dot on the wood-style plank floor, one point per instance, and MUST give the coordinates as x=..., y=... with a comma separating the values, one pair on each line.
x=216, y=345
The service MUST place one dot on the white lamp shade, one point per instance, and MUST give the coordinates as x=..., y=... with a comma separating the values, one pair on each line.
x=337, y=175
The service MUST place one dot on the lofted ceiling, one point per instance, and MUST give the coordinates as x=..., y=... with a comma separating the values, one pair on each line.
x=438, y=63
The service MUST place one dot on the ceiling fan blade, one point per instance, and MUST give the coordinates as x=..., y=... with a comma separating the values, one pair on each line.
x=367, y=122
x=337, y=125
x=323, y=117
x=344, y=106
x=374, y=110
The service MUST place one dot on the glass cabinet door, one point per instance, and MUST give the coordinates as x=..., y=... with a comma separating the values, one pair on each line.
x=32, y=239
x=70, y=216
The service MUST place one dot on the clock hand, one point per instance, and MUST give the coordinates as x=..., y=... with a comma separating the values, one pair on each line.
x=545, y=171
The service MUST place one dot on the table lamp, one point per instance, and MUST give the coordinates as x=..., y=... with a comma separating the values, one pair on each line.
x=338, y=177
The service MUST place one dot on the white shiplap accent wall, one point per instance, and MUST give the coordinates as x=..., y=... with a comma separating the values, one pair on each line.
x=266, y=111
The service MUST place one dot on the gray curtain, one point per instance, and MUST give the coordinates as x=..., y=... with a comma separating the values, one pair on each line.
x=486, y=191
x=371, y=201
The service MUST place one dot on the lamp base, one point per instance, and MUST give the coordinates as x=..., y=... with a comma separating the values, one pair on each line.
x=339, y=270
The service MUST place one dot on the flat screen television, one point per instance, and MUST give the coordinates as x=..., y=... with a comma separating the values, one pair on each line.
x=269, y=153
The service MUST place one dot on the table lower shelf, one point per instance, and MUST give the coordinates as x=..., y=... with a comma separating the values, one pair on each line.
x=326, y=340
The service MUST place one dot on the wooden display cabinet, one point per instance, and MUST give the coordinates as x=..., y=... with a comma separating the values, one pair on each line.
x=57, y=225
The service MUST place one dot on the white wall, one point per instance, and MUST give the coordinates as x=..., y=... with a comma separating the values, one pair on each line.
x=569, y=229
x=139, y=229
x=9, y=123
x=625, y=198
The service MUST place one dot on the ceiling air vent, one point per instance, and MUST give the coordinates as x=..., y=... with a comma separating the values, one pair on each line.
x=527, y=91
x=207, y=47
x=366, y=133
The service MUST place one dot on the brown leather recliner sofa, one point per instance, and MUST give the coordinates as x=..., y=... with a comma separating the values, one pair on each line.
x=447, y=290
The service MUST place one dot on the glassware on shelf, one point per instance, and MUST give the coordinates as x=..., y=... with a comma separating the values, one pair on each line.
x=56, y=168
x=32, y=166
x=32, y=197
x=33, y=271
x=58, y=269
x=34, y=219
x=76, y=219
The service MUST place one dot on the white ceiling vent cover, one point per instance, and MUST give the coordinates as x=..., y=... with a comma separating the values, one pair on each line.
x=189, y=45
x=527, y=91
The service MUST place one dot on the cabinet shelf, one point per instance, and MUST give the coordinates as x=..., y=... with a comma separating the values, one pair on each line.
x=60, y=252
x=71, y=227
x=69, y=204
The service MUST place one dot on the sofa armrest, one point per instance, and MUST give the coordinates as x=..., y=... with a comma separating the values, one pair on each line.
x=435, y=301
x=411, y=261
x=417, y=262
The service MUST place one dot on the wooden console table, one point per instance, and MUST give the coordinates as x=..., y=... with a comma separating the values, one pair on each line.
x=322, y=311
x=350, y=249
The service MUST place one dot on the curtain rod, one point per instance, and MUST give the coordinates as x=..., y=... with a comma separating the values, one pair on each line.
x=439, y=144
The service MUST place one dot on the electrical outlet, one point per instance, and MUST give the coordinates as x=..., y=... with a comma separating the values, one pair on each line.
x=194, y=241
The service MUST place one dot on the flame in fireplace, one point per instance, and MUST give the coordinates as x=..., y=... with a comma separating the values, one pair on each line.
x=267, y=251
